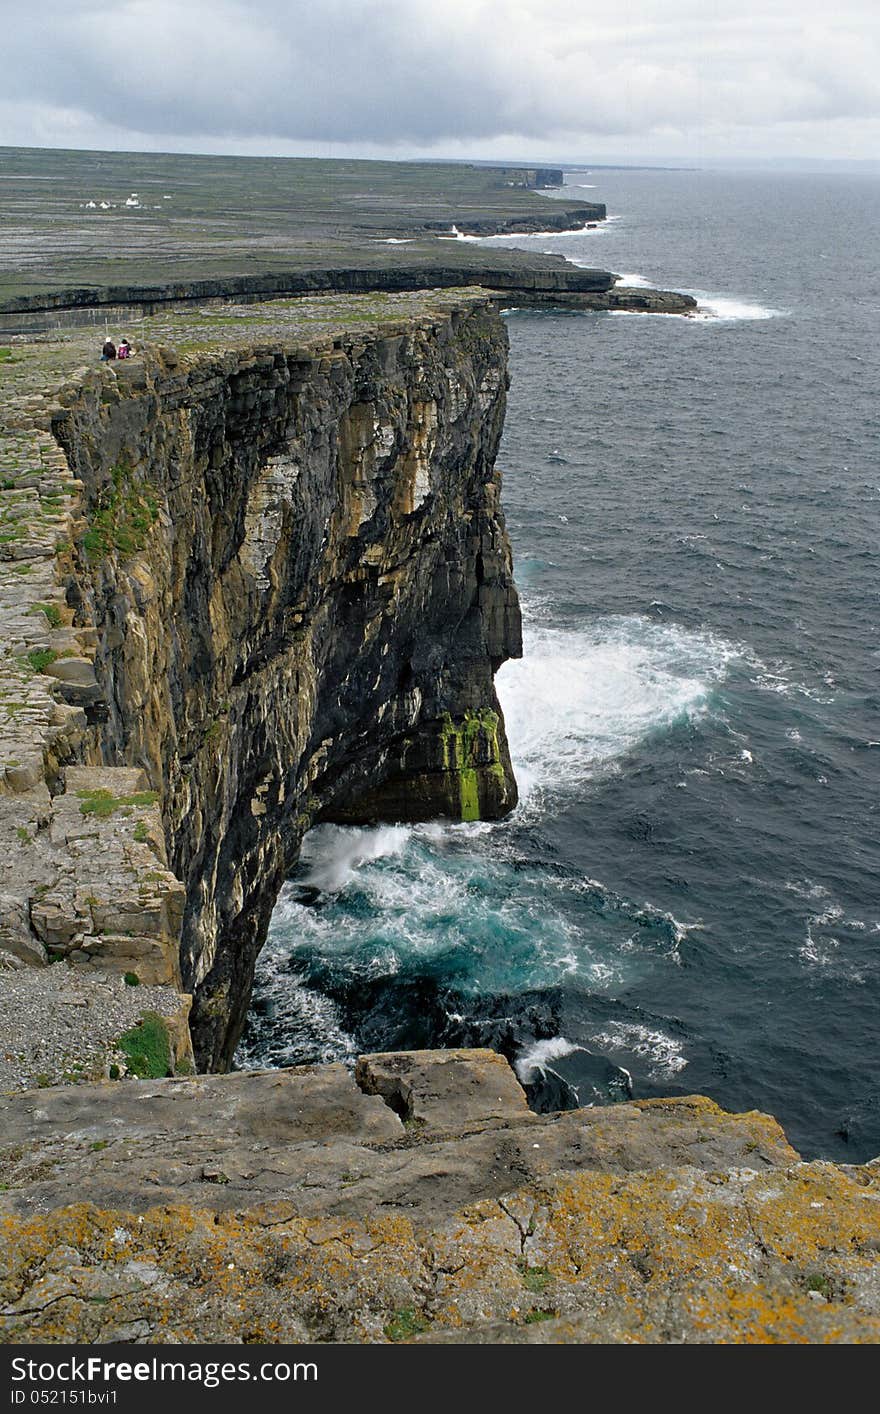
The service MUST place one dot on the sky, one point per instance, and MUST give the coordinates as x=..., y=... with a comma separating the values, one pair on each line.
x=696, y=81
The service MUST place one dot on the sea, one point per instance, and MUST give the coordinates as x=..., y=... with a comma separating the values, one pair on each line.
x=686, y=899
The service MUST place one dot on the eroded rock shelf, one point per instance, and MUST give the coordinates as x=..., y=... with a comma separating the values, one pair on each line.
x=420, y=1200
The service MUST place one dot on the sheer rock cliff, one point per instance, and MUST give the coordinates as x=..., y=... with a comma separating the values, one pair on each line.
x=287, y=585
x=255, y=578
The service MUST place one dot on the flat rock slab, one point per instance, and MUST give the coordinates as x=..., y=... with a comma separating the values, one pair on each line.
x=312, y=1139
x=316, y=1205
x=671, y=1256
x=444, y=1090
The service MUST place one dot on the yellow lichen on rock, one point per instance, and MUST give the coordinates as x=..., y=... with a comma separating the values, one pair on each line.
x=787, y=1256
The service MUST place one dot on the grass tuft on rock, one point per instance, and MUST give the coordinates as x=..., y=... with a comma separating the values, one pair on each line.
x=535, y=1279
x=122, y=519
x=103, y=803
x=41, y=658
x=52, y=612
x=147, y=1047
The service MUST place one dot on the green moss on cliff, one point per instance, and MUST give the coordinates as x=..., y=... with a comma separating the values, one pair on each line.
x=52, y=612
x=103, y=803
x=462, y=744
x=122, y=518
x=41, y=658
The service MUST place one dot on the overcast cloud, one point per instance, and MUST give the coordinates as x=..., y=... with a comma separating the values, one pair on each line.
x=483, y=78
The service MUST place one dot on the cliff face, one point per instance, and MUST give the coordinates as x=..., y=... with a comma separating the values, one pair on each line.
x=412, y=266
x=294, y=560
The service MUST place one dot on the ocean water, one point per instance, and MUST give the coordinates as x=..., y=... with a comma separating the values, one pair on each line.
x=686, y=899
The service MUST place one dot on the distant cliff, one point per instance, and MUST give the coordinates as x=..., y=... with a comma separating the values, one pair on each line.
x=439, y=264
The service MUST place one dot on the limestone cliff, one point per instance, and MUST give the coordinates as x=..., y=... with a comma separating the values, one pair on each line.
x=256, y=578
x=292, y=571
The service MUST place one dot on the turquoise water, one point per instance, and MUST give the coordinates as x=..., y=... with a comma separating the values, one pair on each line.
x=686, y=899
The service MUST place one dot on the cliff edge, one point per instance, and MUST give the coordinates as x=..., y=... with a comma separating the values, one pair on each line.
x=420, y=1200
x=256, y=577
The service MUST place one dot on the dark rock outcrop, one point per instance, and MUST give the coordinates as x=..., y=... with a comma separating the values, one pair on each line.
x=445, y=265
x=631, y=299
x=295, y=565
x=567, y=218
x=532, y=178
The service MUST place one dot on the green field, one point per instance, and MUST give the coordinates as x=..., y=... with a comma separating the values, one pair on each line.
x=219, y=218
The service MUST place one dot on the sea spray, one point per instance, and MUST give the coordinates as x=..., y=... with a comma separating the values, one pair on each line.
x=447, y=917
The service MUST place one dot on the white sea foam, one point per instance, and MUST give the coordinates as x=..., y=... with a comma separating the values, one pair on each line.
x=310, y=1021
x=454, y=234
x=805, y=888
x=636, y=282
x=818, y=952
x=711, y=307
x=663, y=1052
x=514, y=237
x=777, y=678
x=428, y=895
x=334, y=857
x=820, y=948
x=580, y=699
x=727, y=308
x=394, y=898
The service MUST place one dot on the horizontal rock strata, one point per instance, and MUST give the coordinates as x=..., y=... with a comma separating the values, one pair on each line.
x=444, y=266
x=630, y=299
x=266, y=582
x=422, y=1201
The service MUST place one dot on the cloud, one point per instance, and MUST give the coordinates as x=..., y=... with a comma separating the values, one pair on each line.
x=392, y=73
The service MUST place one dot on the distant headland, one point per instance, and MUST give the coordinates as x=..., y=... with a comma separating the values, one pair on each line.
x=92, y=234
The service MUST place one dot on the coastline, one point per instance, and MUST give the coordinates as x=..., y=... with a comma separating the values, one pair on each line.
x=495, y=1221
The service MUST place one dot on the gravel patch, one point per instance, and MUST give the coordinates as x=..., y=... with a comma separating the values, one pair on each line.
x=59, y=1025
